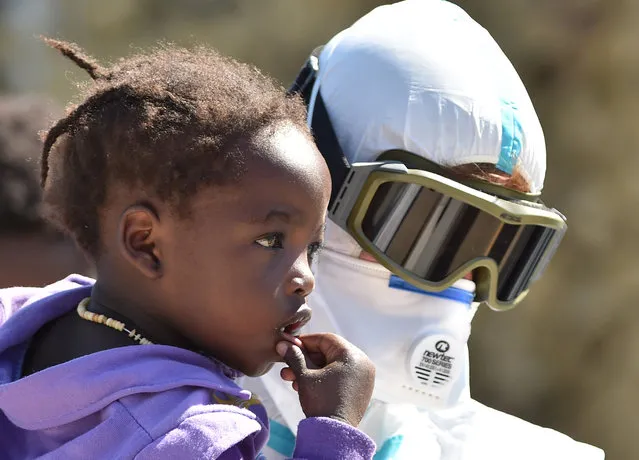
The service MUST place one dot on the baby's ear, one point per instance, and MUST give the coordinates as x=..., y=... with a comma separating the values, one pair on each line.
x=139, y=234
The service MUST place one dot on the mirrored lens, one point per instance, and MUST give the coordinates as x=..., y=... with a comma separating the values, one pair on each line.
x=431, y=235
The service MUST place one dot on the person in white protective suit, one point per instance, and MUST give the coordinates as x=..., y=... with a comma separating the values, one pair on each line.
x=438, y=160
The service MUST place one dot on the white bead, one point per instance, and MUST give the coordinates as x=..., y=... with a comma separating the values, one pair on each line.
x=110, y=322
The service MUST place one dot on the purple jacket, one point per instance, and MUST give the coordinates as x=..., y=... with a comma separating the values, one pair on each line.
x=141, y=402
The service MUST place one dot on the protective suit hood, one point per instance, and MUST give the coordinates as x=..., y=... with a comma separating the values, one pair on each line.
x=423, y=76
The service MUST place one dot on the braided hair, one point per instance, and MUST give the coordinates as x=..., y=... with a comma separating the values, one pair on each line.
x=169, y=122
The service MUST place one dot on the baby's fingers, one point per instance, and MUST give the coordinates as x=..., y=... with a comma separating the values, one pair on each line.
x=287, y=374
x=293, y=356
x=325, y=347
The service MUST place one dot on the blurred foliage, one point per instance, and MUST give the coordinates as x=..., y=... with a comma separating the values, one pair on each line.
x=275, y=35
x=566, y=357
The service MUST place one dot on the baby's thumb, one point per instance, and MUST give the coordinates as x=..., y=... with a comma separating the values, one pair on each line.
x=293, y=356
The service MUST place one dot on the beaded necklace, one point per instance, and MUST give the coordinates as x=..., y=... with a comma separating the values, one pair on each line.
x=120, y=326
x=110, y=322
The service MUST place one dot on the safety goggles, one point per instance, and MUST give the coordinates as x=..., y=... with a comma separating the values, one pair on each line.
x=432, y=228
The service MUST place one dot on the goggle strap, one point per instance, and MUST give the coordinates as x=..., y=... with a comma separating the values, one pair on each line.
x=305, y=80
x=327, y=143
x=321, y=126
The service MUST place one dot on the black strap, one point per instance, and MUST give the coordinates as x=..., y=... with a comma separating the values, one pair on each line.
x=305, y=80
x=321, y=126
x=303, y=84
x=327, y=143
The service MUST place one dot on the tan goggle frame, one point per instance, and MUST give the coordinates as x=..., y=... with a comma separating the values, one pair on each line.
x=485, y=269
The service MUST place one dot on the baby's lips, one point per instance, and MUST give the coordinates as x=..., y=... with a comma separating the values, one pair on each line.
x=291, y=338
x=295, y=323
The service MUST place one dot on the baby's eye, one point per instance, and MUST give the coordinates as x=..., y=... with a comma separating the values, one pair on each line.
x=271, y=241
x=313, y=250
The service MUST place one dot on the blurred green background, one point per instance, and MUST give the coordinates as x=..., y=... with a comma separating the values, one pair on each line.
x=567, y=357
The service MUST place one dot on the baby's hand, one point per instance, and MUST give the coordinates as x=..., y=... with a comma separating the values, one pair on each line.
x=333, y=377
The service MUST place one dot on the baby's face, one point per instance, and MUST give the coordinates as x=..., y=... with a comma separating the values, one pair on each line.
x=239, y=269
